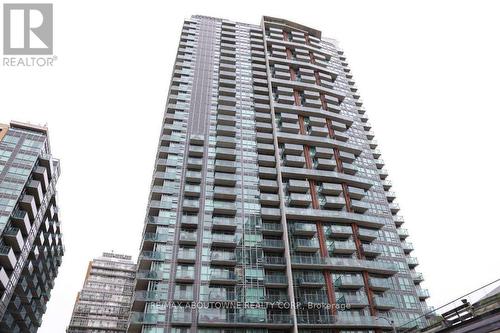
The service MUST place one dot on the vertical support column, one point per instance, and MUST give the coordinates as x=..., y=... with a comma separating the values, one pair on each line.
x=288, y=259
x=345, y=190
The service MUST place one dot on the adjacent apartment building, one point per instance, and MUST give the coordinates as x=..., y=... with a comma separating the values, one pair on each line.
x=31, y=246
x=103, y=304
x=270, y=208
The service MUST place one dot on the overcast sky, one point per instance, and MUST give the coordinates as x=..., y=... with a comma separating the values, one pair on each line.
x=428, y=73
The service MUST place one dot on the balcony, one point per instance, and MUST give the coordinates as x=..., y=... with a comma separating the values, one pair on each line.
x=209, y=318
x=155, y=237
x=186, y=255
x=344, y=264
x=328, y=202
x=359, y=206
x=195, y=151
x=20, y=219
x=190, y=205
x=330, y=189
x=298, y=186
x=221, y=295
x=303, y=229
x=272, y=229
x=398, y=220
x=193, y=176
x=27, y=203
x=188, y=238
x=227, y=154
x=183, y=295
x=294, y=161
x=407, y=247
x=320, y=298
x=152, y=275
x=299, y=200
x=273, y=262
x=225, y=166
x=338, y=247
x=412, y=262
x=14, y=238
x=223, y=223
x=225, y=193
x=223, y=258
x=308, y=280
x=306, y=245
x=184, y=275
x=356, y=193
x=224, y=207
x=225, y=179
x=423, y=294
x=269, y=199
x=372, y=250
x=270, y=186
x=273, y=245
x=367, y=234
x=379, y=284
x=417, y=277
x=182, y=315
x=152, y=256
x=384, y=303
x=224, y=277
x=7, y=257
x=140, y=318
x=270, y=213
x=349, y=282
x=325, y=164
x=226, y=130
x=189, y=221
x=390, y=195
x=192, y=190
x=394, y=207
x=275, y=281
x=339, y=231
x=224, y=240
x=150, y=296
x=403, y=233
x=353, y=301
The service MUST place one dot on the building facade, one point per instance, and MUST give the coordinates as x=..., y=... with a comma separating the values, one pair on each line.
x=103, y=304
x=31, y=246
x=270, y=208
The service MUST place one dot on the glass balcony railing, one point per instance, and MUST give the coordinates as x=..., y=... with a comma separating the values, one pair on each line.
x=275, y=279
x=379, y=284
x=180, y=315
x=303, y=228
x=305, y=244
x=152, y=275
x=146, y=318
x=384, y=302
x=368, y=234
x=153, y=255
x=206, y=316
x=149, y=295
x=273, y=243
x=338, y=231
x=223, y=275
x=310, y=279
x=349, y=281
x=271, y=227
x=223, y=256
x=155, y=237
x=342, y=247
x=273, y=261
x=186, y=255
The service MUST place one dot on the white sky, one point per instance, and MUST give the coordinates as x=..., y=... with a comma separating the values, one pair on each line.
x=428, y=73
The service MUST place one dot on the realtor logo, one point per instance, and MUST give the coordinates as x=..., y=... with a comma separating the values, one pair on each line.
x=27, y=29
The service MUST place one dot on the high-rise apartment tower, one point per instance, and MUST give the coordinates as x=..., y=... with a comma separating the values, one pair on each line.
x=103, y=304
x=31, y=246
x=270, y=209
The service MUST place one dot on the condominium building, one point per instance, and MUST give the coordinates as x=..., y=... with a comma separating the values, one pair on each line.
x=31, y=246
x=103, y=304
x=270, y=209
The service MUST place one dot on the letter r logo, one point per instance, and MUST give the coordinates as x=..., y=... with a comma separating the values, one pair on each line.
x=27, y=28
